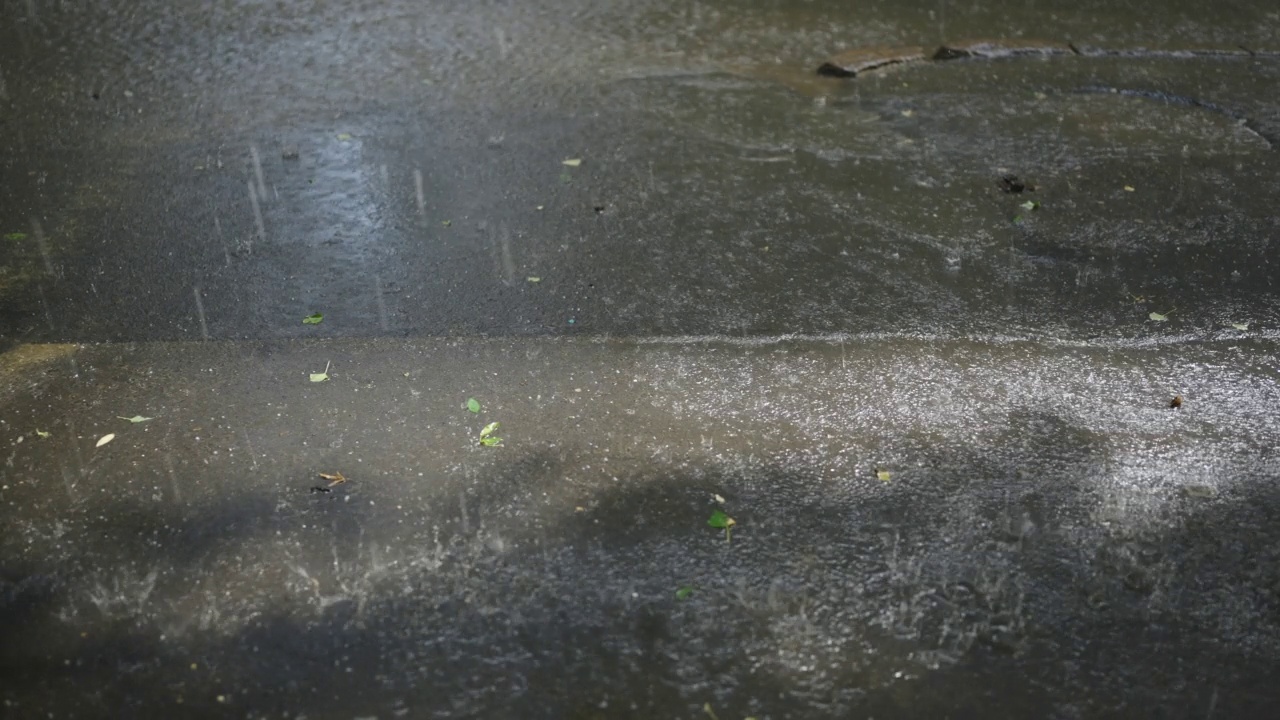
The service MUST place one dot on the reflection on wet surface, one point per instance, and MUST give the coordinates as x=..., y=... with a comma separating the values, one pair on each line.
x=738, y=191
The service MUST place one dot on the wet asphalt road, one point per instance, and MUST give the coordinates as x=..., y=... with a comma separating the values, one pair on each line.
x=939, y=412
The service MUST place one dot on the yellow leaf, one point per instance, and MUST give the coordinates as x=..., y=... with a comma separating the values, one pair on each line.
x=882, y=475
x=573, y=162
x=105, y=439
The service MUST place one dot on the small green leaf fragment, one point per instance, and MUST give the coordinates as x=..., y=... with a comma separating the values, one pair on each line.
x=566, y=178
x=135, y=418
x=344, y=136
x=684, y=593
x=490, y=441
x=1030, y=205
x=313, y=319
x=1158, y=317
x=489, y=429
x=883, y=475
x=572, y=162
x=447, y=223
x=473, y=405
x=1240, y=326
x=43, y=434
x=719, y=519
x=321, y=376
x=15, y=236
x=1017, y=218
x=533, y=279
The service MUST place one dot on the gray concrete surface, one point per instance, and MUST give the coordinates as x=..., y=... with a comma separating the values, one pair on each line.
x=758, y=290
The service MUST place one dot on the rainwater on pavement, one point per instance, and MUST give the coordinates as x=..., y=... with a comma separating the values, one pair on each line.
x=978, y=355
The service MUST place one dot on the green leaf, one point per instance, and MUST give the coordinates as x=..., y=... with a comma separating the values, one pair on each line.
x=321, y=376
x=684, y=592
x=719, y=519
x=1240, y=326
x=533, y=279
x=1158, y=317
x=882, y=475
x=487, y=437
x=344, y=136
x=135, y=418
x=44, y=434
x=572, y=162
x=313, y=319
x=473, y=405
x=1030, y=205
x=16, y=236
x=447, y=223
x=1017, y=218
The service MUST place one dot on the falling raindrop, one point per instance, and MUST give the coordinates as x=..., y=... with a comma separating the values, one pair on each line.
x=38, y=233
x=173, y=478
x=382, y=305
x=417, y=188
x=204, y=326
x=508, y=264
x=504, y=48
x=252, y=455
x=48, y=316
x=75, y=447
x=257, y=171
x=226, y=253
x=4, y=92
x=386, y=181
x=68, y=482
x=257, y=214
